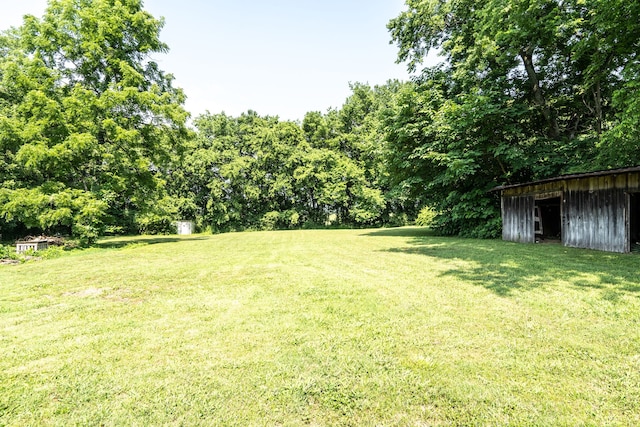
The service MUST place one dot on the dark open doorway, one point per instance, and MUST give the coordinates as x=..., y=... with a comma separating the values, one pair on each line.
x=548, y=223
x=634, y=221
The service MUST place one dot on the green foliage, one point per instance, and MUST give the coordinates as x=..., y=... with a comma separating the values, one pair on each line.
x=448, y=153
x=426, y=217
x=87, y=119
x=52, y=252
x=8, y=252
x=253, y=172
x=275, y=220
x=620, y=145
x=53, y=208
x=530, y=89
x=94, y=137
x=270, y=220
x=160, y=219
x=368, y=205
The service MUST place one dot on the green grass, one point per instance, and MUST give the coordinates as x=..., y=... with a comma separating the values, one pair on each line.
x=345, y=327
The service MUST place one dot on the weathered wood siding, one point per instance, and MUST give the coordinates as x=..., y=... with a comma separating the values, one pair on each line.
x=595, y=220
x=595, y=210
x=596, y=213
x=517, y=219
x=535, y=190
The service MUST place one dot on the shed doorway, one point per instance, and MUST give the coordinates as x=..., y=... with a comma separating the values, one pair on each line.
x=548, y=219
x=634, y=222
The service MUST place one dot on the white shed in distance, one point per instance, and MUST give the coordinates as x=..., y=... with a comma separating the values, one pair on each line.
x=38, y=244
x=185, y=227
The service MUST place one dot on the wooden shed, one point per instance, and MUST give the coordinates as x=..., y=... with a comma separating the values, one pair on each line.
x=596, y=210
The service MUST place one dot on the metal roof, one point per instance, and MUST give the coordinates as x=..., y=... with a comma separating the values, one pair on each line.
x=572, y=176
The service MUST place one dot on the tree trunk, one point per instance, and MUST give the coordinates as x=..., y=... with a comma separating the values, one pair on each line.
x=538, y=97
x=597, y=97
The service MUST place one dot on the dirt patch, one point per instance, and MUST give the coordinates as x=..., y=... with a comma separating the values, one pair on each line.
x=9, y=261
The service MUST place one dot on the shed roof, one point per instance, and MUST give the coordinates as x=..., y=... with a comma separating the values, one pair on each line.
x=572, y=176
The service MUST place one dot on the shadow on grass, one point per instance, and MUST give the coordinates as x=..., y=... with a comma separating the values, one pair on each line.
x=503, y=267
x=121, y=242
x=402, y=232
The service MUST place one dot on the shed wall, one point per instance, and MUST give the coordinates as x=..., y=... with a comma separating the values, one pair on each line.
x=517, y=219
x=595, y=220
x=595, y=210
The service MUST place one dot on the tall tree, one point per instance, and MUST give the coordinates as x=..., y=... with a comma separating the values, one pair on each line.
x=85, y=114
x=612, y=77
x=260, y=172
x=527, y=93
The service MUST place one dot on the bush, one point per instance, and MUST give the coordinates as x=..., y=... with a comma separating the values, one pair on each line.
x=159, y=219
x=114, y=230
x=51, y=252
x=269, y=221
x=398, y=219
x=155, y=224
x=8, y=252
x=426, y=216
x=275, y=220
x=52, y=207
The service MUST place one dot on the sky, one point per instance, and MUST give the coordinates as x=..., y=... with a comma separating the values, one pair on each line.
x=278, y=57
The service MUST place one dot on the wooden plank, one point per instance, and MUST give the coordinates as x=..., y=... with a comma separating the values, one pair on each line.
x=595, y=220
x=594, y=209
x=517, y=219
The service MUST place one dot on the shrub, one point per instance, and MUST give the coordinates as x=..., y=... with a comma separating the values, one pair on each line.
x=158, y=219
x=151, y=223
x=269, y=221
x=398, y=219
x=51, y=207
x=51, y=252
x=426, y=216
x=275, y=220
x=8, y=252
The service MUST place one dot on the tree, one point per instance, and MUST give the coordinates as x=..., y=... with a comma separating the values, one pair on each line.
x=260, y=172
x=613, y=77
x=363, y=132
x=239, y=170
x=85, y=114
x=526, y=93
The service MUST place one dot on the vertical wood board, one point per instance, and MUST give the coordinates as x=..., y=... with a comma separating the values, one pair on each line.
x=594, y=210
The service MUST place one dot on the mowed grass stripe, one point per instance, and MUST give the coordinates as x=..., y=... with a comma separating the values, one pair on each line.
x=330, y=327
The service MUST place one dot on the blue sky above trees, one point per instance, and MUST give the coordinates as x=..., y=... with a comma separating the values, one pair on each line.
x=283, y=57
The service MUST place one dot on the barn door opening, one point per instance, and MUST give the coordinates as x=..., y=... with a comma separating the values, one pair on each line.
x=634, y=222
x=548, y=219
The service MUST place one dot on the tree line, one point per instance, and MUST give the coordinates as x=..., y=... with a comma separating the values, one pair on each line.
x=95, y=138
x=530, y=89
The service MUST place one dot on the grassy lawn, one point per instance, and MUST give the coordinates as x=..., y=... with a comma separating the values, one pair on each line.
x=347, y=327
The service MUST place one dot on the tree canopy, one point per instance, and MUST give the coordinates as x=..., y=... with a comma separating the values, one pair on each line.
x=529, y=89
x=87, y=118
x=95, y=138
x=259, y=172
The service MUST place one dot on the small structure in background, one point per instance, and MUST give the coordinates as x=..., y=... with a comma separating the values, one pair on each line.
x=34, y=244
x=596, y=210
x=185, y=227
